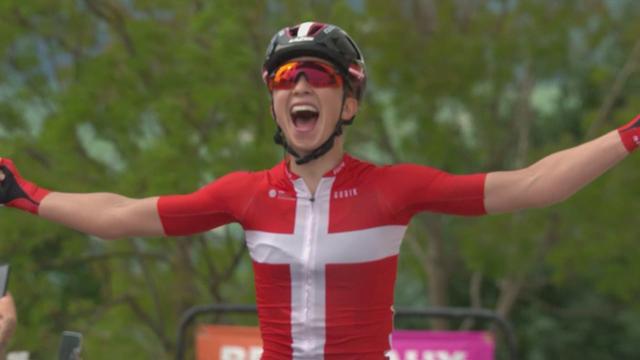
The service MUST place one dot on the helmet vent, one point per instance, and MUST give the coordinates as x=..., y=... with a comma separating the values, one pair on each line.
x=309, y=29
x=293, y=31
x=315, y=28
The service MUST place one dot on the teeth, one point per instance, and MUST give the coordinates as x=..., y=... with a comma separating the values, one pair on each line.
x=299, y=108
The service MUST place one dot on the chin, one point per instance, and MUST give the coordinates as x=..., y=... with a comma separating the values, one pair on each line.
x=304, y=143
x=304, y=149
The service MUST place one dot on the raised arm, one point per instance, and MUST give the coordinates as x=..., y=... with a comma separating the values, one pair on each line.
x=108, y=216
x=559, y=175
x=105, y=215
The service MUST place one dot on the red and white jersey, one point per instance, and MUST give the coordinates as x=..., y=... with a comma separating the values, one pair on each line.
x=325, y=264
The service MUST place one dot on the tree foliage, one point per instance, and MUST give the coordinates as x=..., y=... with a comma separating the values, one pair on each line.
x=156, y=97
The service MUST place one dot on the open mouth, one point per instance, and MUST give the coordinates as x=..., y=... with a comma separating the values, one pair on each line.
x=304, y=117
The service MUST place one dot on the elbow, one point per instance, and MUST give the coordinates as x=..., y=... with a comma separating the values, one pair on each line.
x=539, y=193
x=544, y=197
x=111, y=227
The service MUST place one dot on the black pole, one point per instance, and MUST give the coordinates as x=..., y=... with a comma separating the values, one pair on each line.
x=189, y=316
x=455, y=313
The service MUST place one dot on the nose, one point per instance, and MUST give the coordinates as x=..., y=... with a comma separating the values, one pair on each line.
x=302, y=85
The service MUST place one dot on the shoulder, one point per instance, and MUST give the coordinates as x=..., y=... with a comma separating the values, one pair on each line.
x=404, y=172
x=235, y=183
x=407, y=172
x=248, y=180
x=240, y=177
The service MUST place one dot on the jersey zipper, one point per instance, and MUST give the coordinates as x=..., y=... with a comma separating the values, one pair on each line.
x=308, y=265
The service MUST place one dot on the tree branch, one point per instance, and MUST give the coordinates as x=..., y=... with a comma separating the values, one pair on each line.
x=425, y=16
x=147, y=319
x=475, y=298
x=513, y=285
x=152, y=288
x=185, y=274
x=436, y=266
x=604, y=113
x=114, y=16
x=235, y=261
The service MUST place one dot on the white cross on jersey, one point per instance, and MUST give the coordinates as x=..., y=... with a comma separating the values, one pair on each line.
x=307, y=252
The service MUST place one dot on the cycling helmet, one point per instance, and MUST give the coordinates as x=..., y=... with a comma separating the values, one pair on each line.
x=324, y=41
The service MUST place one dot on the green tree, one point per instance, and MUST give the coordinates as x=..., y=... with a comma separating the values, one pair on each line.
x=157, y=97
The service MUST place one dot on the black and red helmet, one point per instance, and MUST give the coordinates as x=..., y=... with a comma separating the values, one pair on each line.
x=324, y=41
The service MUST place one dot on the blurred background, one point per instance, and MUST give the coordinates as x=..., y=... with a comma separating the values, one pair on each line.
x=144, y=97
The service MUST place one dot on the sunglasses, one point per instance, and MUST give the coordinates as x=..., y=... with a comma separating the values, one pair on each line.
x=317, y=74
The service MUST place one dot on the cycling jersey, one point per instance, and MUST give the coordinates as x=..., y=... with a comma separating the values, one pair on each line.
x=325, y=263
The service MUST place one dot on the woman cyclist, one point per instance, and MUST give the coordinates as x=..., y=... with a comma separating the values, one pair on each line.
x=323, y=228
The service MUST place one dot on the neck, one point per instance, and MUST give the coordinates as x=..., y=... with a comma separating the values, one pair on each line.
x=313, y=171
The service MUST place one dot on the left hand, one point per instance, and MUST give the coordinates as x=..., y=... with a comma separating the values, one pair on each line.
x=630, y=134
x=18, y=192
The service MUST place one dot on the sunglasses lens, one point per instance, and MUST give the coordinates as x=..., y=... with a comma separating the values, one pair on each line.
x=317, y=74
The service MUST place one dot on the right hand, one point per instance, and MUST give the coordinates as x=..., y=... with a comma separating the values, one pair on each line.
x=17, y=192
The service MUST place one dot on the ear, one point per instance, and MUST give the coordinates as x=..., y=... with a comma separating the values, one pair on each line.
x=350, y=108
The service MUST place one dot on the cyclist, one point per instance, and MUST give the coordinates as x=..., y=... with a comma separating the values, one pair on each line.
x=323, y=228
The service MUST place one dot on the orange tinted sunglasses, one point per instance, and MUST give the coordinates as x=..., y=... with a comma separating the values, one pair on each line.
x=317, y=74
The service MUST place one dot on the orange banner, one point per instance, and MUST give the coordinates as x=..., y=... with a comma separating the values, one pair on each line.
x=227, y=342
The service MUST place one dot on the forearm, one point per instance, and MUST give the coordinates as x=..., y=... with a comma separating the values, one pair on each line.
x=560, y=175
x=555, y=177
x=105, y=215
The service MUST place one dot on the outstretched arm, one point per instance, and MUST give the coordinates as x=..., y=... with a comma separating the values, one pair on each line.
x=104, y=215
x=559, y=175
x=108, y=216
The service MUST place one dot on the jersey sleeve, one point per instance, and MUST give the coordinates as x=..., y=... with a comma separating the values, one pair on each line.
x=221, y=202
x=414, y=188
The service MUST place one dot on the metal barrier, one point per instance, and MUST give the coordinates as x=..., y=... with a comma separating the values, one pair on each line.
x=451, y=313
x=465, y=313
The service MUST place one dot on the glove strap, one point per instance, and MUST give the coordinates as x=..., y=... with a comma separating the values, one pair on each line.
x=18, y=193
x=630, y=134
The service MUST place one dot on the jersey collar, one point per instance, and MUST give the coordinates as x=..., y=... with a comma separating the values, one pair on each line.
x=346, y=160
